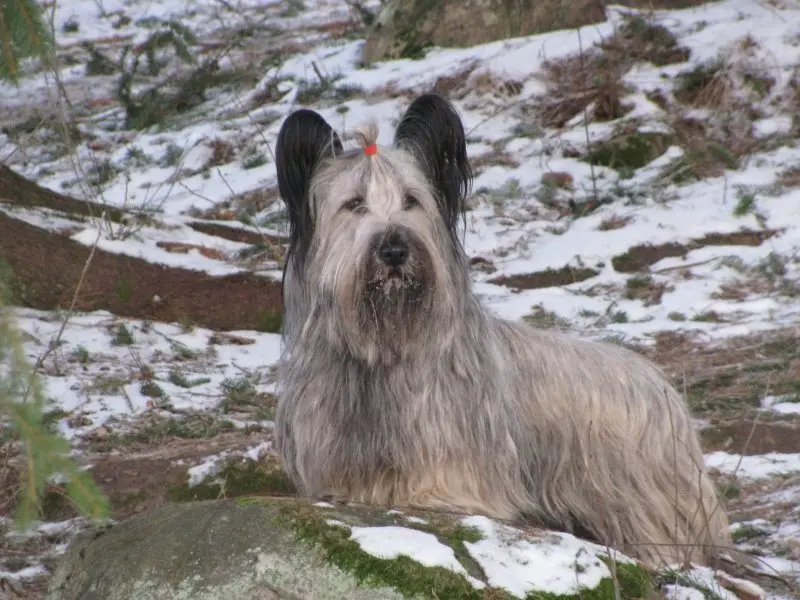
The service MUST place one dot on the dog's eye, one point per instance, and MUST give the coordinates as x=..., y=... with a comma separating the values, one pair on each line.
x=410, y=202
x=355, y=204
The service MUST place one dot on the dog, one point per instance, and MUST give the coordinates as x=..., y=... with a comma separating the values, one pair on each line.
x=397, y=387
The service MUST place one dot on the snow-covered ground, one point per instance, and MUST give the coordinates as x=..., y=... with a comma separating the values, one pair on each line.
x=197, y=164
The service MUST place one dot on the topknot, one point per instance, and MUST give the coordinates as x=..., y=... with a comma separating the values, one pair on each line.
x=367, y=136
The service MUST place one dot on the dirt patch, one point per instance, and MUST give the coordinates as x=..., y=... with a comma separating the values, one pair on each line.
x=17, y=190
x=140, y=482
x=738, y=238
x=749, y=437
x=47, y=267
x=236, y=234
x=546, y=278
x=640, y=257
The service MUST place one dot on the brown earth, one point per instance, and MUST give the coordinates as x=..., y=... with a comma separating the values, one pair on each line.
x=725, y=381
x=750, y=437
x=47, y=268
x=17, y=190
x=546, y=278
x=236, y=234
x=639, y=258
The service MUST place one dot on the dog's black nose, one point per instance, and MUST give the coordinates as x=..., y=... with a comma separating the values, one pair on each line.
x=393, y=250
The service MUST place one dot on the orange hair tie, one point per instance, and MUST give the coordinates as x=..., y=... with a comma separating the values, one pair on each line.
x=371, y=150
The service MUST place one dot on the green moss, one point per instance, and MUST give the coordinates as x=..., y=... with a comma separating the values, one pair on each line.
x=674, y=577
x=630, y=151
x=403, y=574
x=413, y=580
x=411, y=38
x=54, y=505
x=637, y=286
x=239, y=479
x=123, y=337
x=748, y=532
x=270, y=321
x=124, y=289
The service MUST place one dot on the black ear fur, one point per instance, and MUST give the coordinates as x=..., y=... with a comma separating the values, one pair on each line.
x=305, y=138
x=432, y=130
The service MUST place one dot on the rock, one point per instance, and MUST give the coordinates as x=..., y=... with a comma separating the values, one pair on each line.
x=404, y=28
x=289, y=548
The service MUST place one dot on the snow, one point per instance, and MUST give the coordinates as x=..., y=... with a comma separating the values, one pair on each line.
x=703, y=578
x=564, y=564
x=389, y=542
x=508, y=224
x=754, y=467
x=784, y=405
x=216, y=462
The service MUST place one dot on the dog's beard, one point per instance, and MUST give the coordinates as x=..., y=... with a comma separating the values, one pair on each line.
x=392, y=296
x=397, y=290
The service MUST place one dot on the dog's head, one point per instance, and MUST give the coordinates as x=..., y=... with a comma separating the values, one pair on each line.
x=374, y=231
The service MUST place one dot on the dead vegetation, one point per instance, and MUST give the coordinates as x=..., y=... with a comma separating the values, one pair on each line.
x=646, y=289
x=725, y=380
x=582, y=83
x=775, y=275
x=614, y=222
x=592, y=80
x=709, y=112
x=789, y=178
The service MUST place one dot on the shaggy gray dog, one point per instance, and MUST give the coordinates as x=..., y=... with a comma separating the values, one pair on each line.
x=397, y=387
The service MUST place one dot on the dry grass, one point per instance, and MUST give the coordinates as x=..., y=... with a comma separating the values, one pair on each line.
x=614, y=222
x=709, y=147
x=594, y=78
x=728, y=90
x=639, y=40
x=725, y=379
x=770, y=277
x=222, y=153
x=578, y=82
x=789, y=178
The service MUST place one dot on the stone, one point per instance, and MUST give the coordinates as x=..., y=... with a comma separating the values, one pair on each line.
x=404, y=28
x=292, y=548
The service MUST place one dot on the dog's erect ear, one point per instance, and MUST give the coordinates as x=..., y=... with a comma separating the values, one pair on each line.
x=432, y=130
x=304, y=140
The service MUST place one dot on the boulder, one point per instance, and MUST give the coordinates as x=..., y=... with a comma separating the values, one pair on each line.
x=403, y=28
x=289, y=548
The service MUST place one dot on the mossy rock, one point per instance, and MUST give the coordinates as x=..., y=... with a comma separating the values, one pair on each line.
x=292, y=548
x=630, y=151
x=404, y=28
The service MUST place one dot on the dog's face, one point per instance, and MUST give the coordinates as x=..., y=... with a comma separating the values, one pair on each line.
x=378, y=236
x=374, y=236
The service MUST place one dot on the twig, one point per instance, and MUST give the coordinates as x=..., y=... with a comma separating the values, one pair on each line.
x=54, y=343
